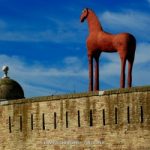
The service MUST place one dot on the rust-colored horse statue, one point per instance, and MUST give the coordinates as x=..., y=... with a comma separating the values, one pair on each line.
x=100, y=41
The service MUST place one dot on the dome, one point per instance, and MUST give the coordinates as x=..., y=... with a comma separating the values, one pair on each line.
x=10, y=89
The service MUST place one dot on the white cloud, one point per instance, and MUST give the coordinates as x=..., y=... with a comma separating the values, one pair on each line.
x=142, y=54
x=60, y=31
x=38, y=80
x=20, y=36
x=2, y=24
x=73, y=31
x=110, y=72
x=127, y=21
x=71, y=60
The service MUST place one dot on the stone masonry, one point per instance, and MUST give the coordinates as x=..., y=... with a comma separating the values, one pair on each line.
x=107, y=120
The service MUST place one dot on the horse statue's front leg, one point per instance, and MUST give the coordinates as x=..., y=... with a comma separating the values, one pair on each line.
x=90, y=58
x=96, y=87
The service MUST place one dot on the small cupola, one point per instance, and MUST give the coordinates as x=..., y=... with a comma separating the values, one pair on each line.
x=9, y=89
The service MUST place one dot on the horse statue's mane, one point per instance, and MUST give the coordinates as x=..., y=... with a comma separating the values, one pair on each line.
x=100, y=41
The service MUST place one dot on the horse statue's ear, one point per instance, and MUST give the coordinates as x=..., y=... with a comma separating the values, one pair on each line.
x=85, y=9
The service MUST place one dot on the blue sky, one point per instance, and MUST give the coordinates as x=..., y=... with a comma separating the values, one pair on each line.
x=43, y=43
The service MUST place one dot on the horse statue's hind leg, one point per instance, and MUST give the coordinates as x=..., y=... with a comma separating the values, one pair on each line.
x=90, y=59
x=123, y=66
x=130, y=65
x=124, y=57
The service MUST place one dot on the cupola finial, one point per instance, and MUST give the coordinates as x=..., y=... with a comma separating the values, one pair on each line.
x=5, y=69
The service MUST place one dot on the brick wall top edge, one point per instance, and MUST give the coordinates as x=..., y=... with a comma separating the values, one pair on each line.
x=127, y=90
x=75, y=95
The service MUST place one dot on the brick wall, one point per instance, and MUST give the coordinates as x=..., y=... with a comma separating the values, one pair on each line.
x=109, y=120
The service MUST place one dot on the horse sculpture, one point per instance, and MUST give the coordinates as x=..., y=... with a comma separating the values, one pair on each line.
x=100, y=41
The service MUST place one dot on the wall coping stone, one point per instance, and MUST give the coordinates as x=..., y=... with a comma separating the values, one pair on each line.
x=75, y=95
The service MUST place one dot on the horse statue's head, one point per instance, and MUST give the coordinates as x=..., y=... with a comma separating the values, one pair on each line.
x=84, y=14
